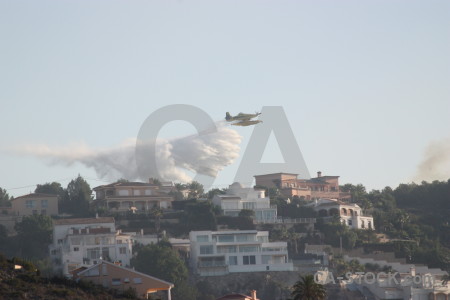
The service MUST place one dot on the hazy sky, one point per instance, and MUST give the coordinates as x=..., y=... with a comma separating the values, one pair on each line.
x=365, y=84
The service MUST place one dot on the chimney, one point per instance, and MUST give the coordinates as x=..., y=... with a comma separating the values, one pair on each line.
x=253, y=292
x=412, y=271
x=319, y=174
x=96, y=215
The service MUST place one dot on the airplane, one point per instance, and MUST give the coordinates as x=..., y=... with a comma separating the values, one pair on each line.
x=246, y=123
x=240, y=117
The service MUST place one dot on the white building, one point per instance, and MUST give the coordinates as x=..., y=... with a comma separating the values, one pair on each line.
x=223, y=252
x=238, y=198
x=84, y=242
x=350, y=213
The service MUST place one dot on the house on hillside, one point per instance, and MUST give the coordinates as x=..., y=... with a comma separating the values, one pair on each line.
x=238, y=198
x=350, y=214
x=133, y=196
x=84, y=242
x=221, y=252
x=113, y=276
x=311, y=189
x=35, y=204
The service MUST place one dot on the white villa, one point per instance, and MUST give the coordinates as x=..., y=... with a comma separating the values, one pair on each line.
x=349, y=213
x=133, y=196
x=222, y=252
x=84, y=242
x=238, y=198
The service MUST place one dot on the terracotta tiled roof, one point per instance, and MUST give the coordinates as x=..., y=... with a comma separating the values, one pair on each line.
x=34, y=195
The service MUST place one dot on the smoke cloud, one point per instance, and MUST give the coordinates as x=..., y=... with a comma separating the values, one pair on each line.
x=436, y=163
x=205, y=154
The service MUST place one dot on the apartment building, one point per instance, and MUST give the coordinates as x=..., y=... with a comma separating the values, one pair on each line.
x=84, y=242
x=238, y=198
x=222, y=252
x=133, y=196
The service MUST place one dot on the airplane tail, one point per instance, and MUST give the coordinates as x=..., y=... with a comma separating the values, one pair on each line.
x=228, y=116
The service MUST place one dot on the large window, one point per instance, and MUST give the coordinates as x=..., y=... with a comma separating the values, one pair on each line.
x=93, y=253
x=123, y=250
x=226, y=238
x=232, y=260
x=202, y=238
x=249, y=260
x=226, y=249
x=245, y=238
x=44, y=203
x=249, y=205
x=248, y=248
x=206, y=249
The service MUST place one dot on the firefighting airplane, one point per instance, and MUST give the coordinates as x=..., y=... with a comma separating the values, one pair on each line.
x=243, y=119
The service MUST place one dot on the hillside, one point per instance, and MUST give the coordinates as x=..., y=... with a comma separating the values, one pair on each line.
x=26, y=283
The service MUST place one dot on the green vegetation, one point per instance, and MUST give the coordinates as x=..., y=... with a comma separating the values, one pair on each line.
x=4, y=198
x=165, y=263
x=307, y=289
x=415, y=217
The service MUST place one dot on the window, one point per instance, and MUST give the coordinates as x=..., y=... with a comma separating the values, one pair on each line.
x=226, y=238
x=206, y=249
x=124, y=193
x=202, y=238
x=43, y=212
x=245, y=237
x=126, y=280
x=136, y=192
x=369, y=224
x=34, y=211
x=249, y=205
x=249, y=260
x=76, y=249
x=123, y=250
x=349, y=222
x=30, y=203
x=60, y=241
x=137, y=280
x=363, y=224
x=232, y=260
x=116, y=281
x=93, y=253
x=265, y=259
x=248, y=249
x=44, y=203
x=226, y=249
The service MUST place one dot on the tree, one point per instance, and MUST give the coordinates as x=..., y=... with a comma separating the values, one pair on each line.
x=157, y=213
x=77, y=197
x=4, y=198
x=34, y=235
x=199, y=216
x=307, y=289
x=163, y=262
x=195, y=189
x=53, y=188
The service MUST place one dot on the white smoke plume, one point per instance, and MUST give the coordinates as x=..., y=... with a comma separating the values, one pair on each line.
x=205, y=154
x=436, y=163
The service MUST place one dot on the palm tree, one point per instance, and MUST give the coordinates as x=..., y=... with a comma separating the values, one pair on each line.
x=157, y=213
x=307, y=289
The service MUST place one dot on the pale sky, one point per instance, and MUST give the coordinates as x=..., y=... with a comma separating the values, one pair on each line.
x=365, y=84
